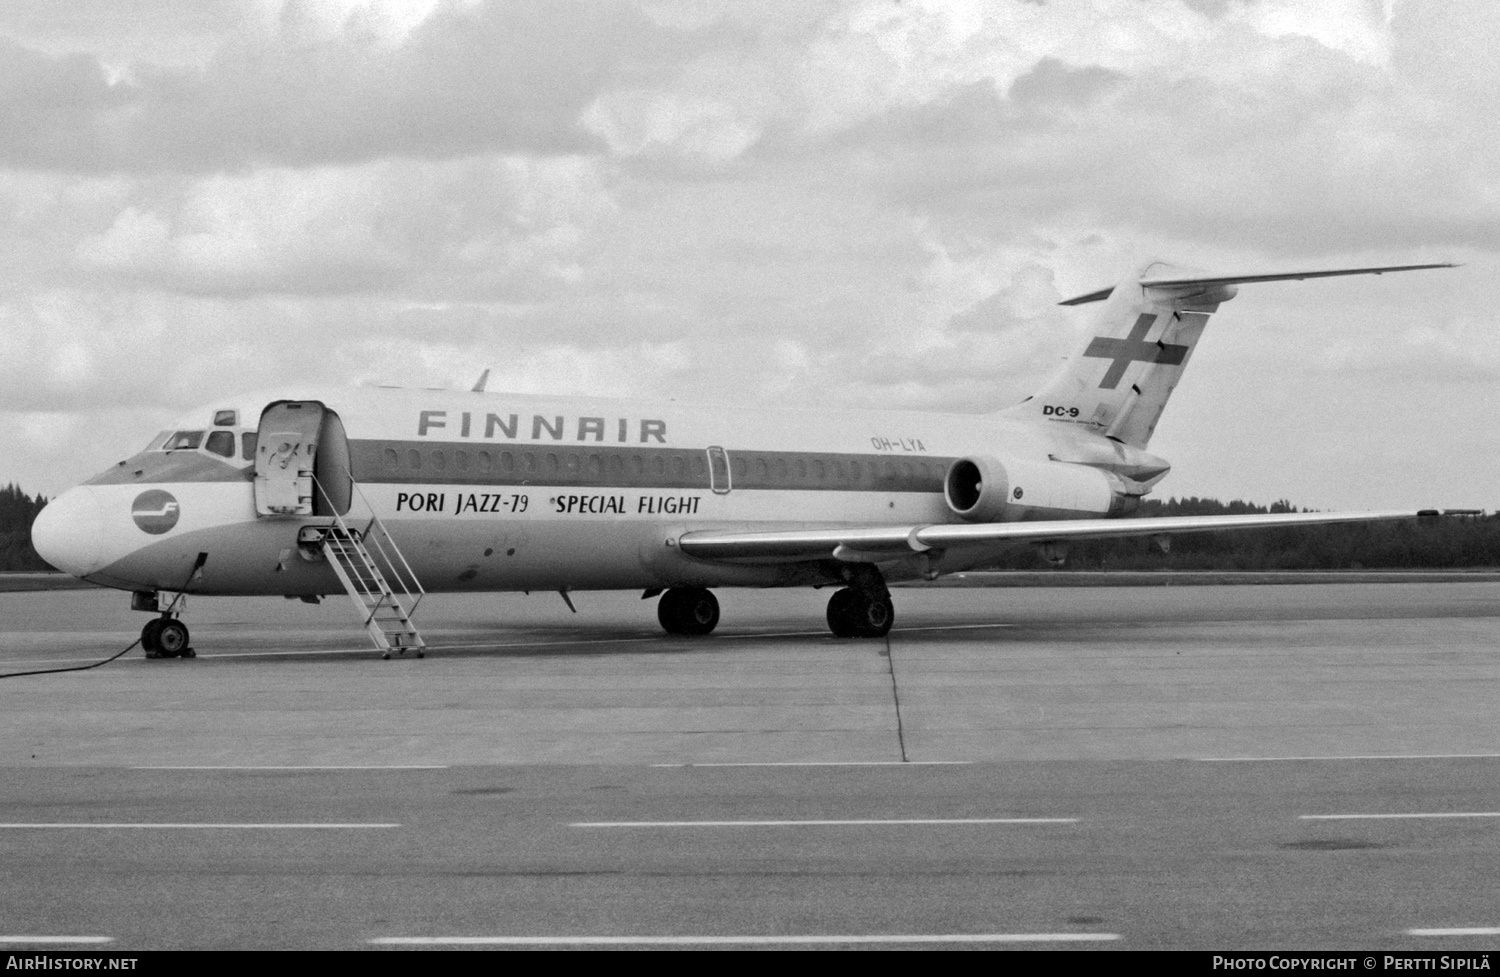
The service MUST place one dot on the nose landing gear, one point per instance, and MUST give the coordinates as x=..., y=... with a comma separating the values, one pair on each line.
x=166, y=637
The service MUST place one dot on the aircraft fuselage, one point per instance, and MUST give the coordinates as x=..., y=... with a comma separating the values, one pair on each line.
x=498, y=492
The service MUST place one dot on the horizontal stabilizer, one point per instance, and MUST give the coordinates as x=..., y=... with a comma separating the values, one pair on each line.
x=1205, y=281
x=892, y=542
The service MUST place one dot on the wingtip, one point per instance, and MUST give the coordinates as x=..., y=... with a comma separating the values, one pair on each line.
x=1098, y=296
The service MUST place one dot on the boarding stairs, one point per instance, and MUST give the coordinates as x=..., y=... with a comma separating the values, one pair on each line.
x=366, y=560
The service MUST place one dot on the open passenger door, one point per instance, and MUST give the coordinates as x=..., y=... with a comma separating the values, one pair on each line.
x=286, y=454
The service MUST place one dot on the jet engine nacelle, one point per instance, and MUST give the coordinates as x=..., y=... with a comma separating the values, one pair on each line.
x=992, y=490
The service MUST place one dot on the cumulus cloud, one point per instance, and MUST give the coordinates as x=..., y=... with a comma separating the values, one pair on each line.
x=841, y=203
x=644, y=122
x=486, y=226
x=333, y=82
x=1293, y=133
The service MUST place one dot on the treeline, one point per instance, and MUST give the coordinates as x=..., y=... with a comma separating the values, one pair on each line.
x=1465, y=541
x=16, y=513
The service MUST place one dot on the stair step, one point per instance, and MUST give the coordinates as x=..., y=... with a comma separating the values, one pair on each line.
x=387, y=619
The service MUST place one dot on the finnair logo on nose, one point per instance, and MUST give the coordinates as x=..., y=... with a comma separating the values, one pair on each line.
x=154, y=511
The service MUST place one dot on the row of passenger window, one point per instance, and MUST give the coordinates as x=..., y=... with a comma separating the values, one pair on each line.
x=749, y=470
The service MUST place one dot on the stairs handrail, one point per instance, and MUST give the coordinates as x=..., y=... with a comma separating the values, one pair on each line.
x=383, y=532
x=401, y=579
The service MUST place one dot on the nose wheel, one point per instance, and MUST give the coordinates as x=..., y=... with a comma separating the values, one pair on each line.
x=166, y=637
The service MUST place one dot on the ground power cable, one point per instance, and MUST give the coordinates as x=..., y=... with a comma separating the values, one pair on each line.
x=73, y=668
x=198, y=565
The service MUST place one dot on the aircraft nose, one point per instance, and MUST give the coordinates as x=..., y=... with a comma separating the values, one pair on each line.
x=68, y=532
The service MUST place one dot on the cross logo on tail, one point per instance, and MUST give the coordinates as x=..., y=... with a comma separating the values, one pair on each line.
x=1131, y=349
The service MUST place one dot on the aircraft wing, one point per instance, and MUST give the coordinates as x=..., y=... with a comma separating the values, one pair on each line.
x=1283, y=276
x=865, y=544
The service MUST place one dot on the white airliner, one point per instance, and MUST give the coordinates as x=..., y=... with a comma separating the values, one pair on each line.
x=388, y=493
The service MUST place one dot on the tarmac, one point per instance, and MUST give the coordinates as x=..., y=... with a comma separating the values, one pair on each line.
x=1214, y=768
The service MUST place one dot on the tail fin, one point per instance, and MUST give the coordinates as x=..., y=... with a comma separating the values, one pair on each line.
x=1118, y=384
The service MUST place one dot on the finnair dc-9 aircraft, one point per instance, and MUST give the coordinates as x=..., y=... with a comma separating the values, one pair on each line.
x=387, y=493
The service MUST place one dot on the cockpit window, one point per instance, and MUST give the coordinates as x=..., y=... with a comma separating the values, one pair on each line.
x=221, y=443
x=248, y=441
x=183, y=439
x=224, y=418
x=158, y=441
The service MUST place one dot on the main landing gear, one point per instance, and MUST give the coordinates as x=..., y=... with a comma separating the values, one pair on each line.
x=166, y=637
x=852, y=614
x=688, y=610
x=863, y=609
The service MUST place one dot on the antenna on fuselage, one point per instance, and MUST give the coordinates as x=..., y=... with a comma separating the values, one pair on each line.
x=483, y=379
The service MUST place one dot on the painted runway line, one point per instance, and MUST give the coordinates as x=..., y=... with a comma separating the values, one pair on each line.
x=1457, y=931
x=273, y=826
x=826, y=763
x=1380, y=817
x=506, y=645
x=862, y=822
x=951, y=627
x=39, y=662
x=210, y=656
x=743, y=940
x=351, y=766
x=1371, y=756
x=154, y=663
x=54, y=940
x=500, y=646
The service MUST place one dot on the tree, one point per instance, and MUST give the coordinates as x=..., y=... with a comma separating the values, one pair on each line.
x=17, y=512
x=1470, y=541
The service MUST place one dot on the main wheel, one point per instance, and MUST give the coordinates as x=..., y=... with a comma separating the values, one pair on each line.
x=172, y=637
x=688, y=610
x=852, y=614
x=840, y=613
x=873, y=617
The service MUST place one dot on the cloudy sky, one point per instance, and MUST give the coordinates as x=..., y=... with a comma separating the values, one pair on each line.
x=851, y=203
